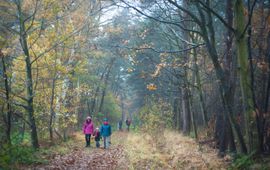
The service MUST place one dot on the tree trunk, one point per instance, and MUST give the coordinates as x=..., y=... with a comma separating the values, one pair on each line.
x=7, y=91
x=227, y=138
x=122, y=108
x=29, y=80
x=199, y=85
x=105, y=85
x=266, y=103
x=223, y=87
x=93, y=102
x=259, y=115
x=245, y=82
x=22, y=130
x=52, y=112
x=190, y=101
x=185, y=89
x=186, y=111
x=175, y=113
x=179, y=116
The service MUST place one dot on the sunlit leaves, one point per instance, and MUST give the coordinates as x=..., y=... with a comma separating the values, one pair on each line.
x=129, y=70
x=158, y=69
x=113, y=30
x=151, y=87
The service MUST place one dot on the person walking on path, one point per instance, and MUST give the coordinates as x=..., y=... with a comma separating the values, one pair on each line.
x=120, y=125
x=97, y=137
x=88, y=129
x=106, y=131
x=128, y=122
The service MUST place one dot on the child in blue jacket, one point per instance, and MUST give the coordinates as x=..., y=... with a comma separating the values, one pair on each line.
x=106, y=131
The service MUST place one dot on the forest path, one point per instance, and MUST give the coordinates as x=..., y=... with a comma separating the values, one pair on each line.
x=139, y=151
x=89, y=158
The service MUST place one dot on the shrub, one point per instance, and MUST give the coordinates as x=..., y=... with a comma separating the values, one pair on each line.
x=243, y=161
x=155, y=118
x=15, y=154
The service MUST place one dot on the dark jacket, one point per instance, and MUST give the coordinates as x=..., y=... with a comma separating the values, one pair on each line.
x=128, y=122
x=97, y=135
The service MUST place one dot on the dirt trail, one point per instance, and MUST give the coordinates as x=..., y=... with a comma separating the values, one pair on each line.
x=137, y=151
x=92, y=158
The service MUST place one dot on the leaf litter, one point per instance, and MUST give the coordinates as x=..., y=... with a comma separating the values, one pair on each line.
x=139, y=151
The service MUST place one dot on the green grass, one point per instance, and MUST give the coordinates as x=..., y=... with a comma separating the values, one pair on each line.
x=242, y=161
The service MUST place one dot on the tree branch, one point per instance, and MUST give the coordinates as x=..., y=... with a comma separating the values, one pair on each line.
x=250, y=14
x=160, y=51
x=217, y=15
x=162, y=21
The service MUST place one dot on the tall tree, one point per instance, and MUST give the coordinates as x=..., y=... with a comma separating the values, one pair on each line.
x=29, y=80
x=245, y=82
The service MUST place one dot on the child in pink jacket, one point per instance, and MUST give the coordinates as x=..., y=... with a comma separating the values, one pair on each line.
x=88, y=129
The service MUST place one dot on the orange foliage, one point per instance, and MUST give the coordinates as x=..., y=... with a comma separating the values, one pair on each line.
x=151, y=87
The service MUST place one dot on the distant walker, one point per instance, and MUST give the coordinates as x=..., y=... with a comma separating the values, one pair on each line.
x=128, y=122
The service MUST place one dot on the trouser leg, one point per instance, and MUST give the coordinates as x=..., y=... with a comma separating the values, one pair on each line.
x=87, y=139
x=104, y=141
x=109, y=141
x=97, y=144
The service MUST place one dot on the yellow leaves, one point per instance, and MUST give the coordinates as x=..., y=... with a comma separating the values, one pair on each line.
x=151, y=87
x=145, y=46
x=163, y=56
x=62, y=69
x=158, y=69
x=6, y=51
x=113, y=30
x=2, y=41
x=129, y=70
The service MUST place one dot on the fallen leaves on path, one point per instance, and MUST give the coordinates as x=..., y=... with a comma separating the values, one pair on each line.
x=87, y=158
x=139, y=151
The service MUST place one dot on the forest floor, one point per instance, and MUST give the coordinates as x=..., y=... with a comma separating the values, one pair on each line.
x=131, y=150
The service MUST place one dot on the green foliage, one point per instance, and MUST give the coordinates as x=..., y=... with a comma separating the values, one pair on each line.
x=18, y=138
x=136, y=123
x=111, y=110
x=17, y=154
x=155, y=117
x=243, y=161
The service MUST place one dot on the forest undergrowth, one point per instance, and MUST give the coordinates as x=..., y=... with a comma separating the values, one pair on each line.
x=170, y=151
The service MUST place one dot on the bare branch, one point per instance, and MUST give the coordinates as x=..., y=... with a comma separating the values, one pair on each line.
x=160, y=51
x=162, y=21
x=217, y=15
x=33, y=16
x=250, y=14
